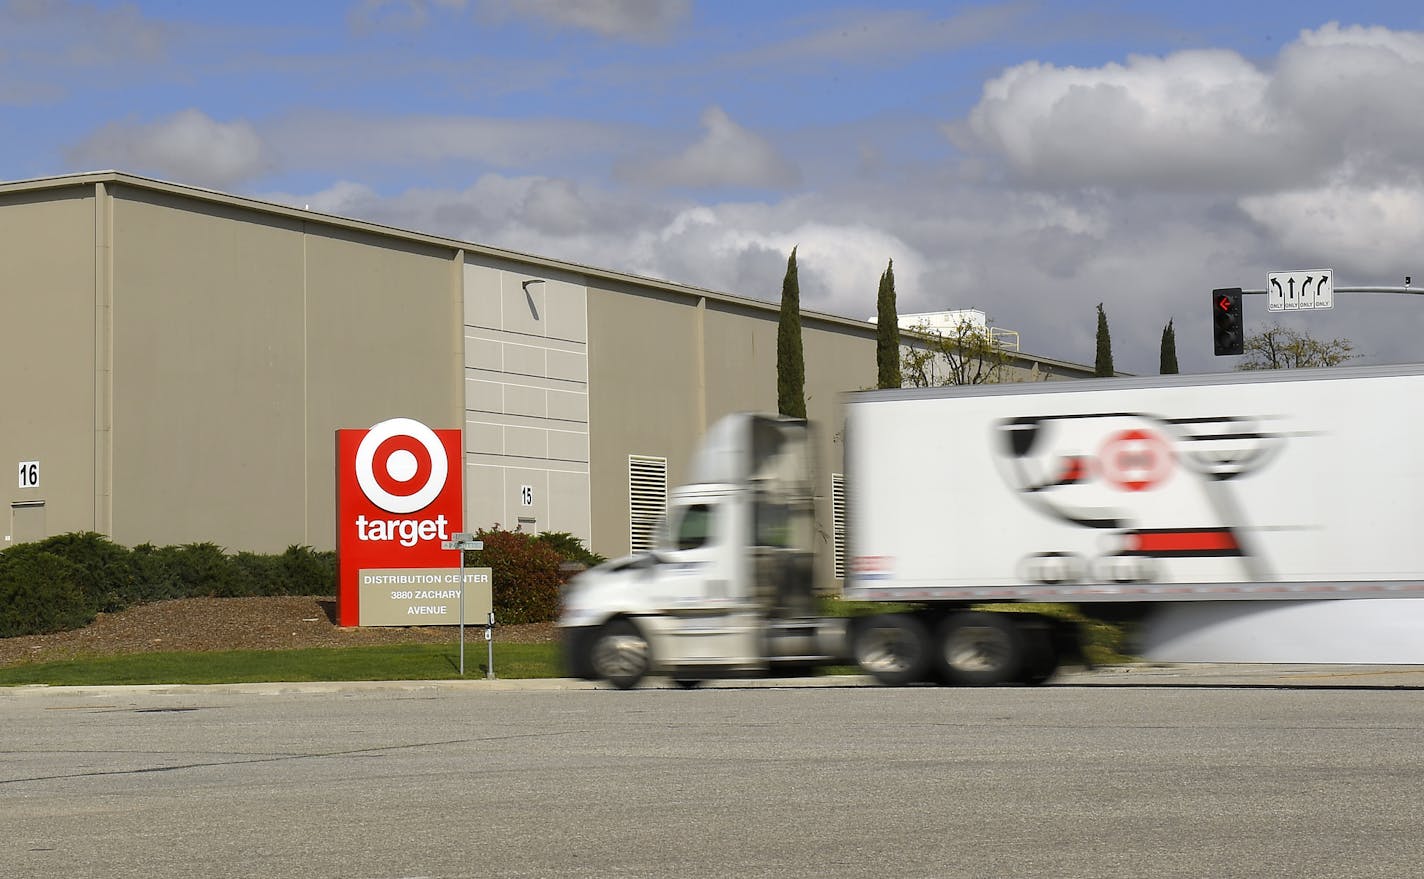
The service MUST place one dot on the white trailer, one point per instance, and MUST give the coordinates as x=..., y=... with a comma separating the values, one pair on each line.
x=1269, y=516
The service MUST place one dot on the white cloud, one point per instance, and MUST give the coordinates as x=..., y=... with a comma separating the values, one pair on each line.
x=1189, y=120
x=1210, y=119
x=637, y=20
x=188, y=146
x=1358, y=91
x=1370, y=230
x=743, y=248
x=727, y=155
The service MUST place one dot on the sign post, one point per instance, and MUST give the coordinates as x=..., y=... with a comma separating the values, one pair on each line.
x=462, y=541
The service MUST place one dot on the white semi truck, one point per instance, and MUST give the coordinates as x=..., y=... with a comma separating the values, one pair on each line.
x=1270, y=516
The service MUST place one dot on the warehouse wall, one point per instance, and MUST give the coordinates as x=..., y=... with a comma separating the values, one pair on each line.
x=527, y=401
x=47, y=360
x=242, y=341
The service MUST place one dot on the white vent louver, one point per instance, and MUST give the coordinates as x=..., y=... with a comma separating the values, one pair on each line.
x=647, y=500
x=838, y=522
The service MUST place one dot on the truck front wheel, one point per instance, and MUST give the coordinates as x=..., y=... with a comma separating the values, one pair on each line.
x=619, y=654
x=980, y=649
x=894, y=649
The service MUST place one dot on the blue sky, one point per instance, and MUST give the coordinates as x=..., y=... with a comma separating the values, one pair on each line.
x=1031, y=159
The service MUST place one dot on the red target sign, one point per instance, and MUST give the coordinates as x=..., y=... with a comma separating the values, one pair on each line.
x=399, y=494
x=1136, y=460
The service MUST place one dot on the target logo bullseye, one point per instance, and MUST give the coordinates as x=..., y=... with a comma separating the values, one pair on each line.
x=401, y=465
x=1136, y=460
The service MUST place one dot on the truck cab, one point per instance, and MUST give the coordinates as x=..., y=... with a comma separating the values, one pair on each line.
x=729, y=589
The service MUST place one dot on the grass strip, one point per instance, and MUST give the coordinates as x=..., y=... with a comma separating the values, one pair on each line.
x=407, y=662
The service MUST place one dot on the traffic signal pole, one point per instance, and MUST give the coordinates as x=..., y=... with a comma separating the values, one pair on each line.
x=1228, y=321
x=1413, y=290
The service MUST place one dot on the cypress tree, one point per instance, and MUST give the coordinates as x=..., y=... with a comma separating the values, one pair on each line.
x=790, y=365
x=1169, y=350
x=887, y=331
x=1104, y=365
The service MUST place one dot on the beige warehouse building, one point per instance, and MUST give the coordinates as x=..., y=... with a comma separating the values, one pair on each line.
x=177, y=362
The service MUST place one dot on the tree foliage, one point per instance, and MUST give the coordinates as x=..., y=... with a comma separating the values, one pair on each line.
x=1103, y=366
x=964, y=354
x=1278, y=347
x=790, y=365
x=1169, y=350
x=887, y=332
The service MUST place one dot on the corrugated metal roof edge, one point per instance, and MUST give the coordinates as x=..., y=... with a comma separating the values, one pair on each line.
x=89, y=178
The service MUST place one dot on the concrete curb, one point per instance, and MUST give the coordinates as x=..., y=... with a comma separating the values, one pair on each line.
x=1132, y=675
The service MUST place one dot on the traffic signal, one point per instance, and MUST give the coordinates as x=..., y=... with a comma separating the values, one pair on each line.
x=1226, y=329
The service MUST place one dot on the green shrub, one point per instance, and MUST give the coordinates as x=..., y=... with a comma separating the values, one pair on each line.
x=64, y=581
x=570, y=548
x=205, y=571
x=299, y=570
x=105, y=573
x=41, y=592
x=525, y=574
x=305, y=571
x=157, y=576
x=255, y=574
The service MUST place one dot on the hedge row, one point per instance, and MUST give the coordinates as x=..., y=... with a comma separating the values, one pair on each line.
x=63, y=582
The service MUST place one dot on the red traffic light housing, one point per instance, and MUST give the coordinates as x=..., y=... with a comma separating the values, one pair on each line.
x=1228, y=335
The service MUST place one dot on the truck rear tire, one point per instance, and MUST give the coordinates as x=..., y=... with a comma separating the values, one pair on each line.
x=981, y=649
x=1041, y=656
x=894, y=649
x=620, y=654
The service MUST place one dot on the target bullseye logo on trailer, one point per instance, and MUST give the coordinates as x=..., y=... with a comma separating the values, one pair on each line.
x=1135, y=460
x=399, y=497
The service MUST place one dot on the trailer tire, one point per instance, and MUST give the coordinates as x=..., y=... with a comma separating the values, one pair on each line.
x=894, y=649
x=619, y=654
x=981, y=649
x=1041, y=656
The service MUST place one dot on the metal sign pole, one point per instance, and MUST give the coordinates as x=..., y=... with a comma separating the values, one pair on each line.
x=462, y=612
x=489, y=645
x=463, y=541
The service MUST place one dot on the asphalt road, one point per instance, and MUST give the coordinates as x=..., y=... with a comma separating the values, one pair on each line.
x=1153, y=773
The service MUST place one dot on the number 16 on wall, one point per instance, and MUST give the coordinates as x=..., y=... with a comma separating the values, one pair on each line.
x=29, y=474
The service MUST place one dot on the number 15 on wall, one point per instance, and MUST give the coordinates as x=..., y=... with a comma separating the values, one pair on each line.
x=29, y=474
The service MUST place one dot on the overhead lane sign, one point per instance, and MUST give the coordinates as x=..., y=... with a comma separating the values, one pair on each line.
x=1292, y=291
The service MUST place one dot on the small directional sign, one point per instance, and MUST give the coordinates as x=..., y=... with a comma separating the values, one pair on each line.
x=463, y=540
x=1292, y=291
